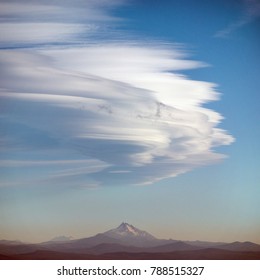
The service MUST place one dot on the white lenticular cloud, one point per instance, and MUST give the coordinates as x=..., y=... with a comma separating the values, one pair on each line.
x=29, y=22
x=109, y=112
x=26, y=33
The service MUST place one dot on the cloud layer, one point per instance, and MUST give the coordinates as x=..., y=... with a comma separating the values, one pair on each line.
x=98, y=112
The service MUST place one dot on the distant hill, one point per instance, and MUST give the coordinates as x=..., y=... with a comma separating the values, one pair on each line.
x=10, y=242
x=61, y=238
x=204, y=254
x=240, y=246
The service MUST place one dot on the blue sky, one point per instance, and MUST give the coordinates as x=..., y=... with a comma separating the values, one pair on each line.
x=137, y=111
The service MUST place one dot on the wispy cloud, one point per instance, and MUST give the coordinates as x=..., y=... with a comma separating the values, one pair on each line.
x=102, y=111
x=53, y=22
x=252, y=12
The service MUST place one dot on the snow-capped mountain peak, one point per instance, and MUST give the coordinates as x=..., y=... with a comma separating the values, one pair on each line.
x=126, y=230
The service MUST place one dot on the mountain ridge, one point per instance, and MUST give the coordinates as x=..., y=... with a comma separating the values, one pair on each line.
x=127, y=241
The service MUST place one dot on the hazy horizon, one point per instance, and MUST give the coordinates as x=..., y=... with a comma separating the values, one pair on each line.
x=124, y=110
x=69, y=237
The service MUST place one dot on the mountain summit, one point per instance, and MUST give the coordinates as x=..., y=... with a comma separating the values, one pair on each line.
x=130, y=235
x=127, y=230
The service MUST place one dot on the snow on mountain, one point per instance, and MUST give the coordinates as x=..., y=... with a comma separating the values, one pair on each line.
x=128, y=232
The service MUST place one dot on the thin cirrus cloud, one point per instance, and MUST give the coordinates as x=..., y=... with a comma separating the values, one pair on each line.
x=251, y=12
x=101, y=112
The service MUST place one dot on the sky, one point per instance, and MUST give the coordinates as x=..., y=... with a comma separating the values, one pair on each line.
x=122, y=110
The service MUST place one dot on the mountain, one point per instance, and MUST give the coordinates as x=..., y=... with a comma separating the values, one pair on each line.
x=129, y=235
x=205, y=244
x=125, y=235
x=61, y=238
x=240, y=246
x=10, y=242
x=115, y=248
x=203, y=254
x=127, y=242
x=79, y=244
x=126, y=230
x=175, y=246
x=127, y=238
x=111, y=248
x=10, y=249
